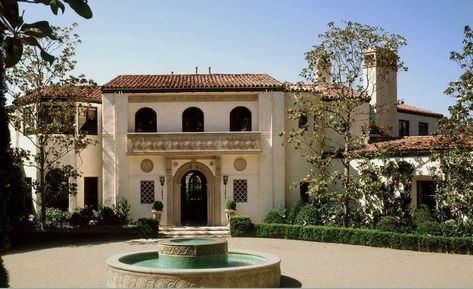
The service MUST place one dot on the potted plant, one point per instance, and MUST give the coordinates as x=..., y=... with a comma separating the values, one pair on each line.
x=230, y=209
x=157, y=209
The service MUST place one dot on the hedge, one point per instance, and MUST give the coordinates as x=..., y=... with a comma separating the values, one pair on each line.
x=367, y=237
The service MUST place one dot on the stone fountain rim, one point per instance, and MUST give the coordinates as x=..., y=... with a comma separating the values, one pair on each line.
x=114, y=262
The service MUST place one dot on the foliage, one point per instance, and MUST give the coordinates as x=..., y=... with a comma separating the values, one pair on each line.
x=158, y=206
x=385, y=190
x=454, y=174
x=241, y=226
x=230, y=204
x=106, y=216
x=3, y=275
x=57, y=218
x=307, y=215
x=295, y=210
x=391, y=224
x=333, y=109
x=149, y=227
x=18, y=33
x=45, y=105
x=422, y=214
x=122, y=210
x=275, y=216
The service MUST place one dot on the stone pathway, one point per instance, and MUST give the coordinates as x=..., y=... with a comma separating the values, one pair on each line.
x=304, y=264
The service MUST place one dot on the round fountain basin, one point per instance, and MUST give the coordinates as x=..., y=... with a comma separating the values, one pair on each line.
x=243, y=269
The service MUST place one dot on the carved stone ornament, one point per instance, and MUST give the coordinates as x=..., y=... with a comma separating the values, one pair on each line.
x=239, y=164
x=146, y=165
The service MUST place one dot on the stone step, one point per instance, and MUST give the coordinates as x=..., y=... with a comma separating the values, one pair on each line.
x=201, y=231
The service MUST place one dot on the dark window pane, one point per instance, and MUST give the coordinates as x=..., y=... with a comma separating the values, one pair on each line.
x=426, y=194
x=240, y=119
x=91, y=193
x=146, y=120
x=403, y=128
x=423, y=128
x=88, y=120
x=303, y=121
x=192, y=120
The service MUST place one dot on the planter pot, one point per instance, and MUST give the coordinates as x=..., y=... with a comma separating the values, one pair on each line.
x=229, y=213
x=156, y=214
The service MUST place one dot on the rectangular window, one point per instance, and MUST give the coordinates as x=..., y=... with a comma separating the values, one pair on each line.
x=240, y=191
x=88, y=120
x=91, y=192
x=147, y=192
x=303, y=121
x=304, y=191
x=426, y=194
x=403, y=128
x=423, y=128
x=28, y=121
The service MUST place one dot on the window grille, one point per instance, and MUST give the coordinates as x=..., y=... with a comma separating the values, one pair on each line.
x=240, y=191
x=147, y=192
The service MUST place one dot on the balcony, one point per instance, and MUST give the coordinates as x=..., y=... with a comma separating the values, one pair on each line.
x=194, y=142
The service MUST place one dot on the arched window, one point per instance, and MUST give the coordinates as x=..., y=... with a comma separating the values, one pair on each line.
x=240, y=119
x=192, y=120
x=145, y=120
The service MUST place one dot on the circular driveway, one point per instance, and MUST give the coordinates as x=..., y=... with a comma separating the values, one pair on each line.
x=303, y=264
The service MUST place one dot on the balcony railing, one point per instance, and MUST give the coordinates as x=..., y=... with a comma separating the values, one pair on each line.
x=194, y=142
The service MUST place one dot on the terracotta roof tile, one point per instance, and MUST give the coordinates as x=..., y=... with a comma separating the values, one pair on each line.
x=88, y=93
x=183, y=82
x=328, y=92
x=411, y=144
x=406, y=108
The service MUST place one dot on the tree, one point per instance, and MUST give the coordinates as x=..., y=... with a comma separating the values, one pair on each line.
x=332, y=107
x=46, y=99
x=454, y=173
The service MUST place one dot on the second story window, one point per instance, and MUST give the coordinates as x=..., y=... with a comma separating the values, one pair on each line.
x=403, y=128
x=88, y=120
x=146, y=120
x=240, y=119
x=423, y=128
x=303, y=121
x=192, y=120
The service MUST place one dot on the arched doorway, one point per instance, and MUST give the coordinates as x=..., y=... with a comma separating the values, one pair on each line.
x=194, y=198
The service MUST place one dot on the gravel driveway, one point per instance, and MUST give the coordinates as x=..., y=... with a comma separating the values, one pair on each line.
x=303, y=264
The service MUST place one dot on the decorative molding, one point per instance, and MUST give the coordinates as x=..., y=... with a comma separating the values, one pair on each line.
x=165, y=143
x=146, y=165
x=239, y=164
x=138, y=98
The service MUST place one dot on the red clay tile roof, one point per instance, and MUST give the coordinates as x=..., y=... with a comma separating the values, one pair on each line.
x=405, y=108
x=410, y=144
x=328, y=92
x=191, y=82
x=87, y=93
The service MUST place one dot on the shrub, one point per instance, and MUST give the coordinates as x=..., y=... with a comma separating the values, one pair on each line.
x=87, y=213
x=241, y=226
x=422, y=215
x=388, y=224
x=295, y=210
x=57, y=218
x=106, y=216
x=122, y=210
x=275, y=216
x=78, y=220
x=158, y=206
x=307, y=215
x=3, y=275
x=148, y=227
x=230, y=204
x=429, y=228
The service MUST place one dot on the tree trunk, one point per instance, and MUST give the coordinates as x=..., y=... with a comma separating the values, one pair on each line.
x=346, y=213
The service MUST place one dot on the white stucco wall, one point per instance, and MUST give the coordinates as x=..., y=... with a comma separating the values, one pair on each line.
x=414, y=120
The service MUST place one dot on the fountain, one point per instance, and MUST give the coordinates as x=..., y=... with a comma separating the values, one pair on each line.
x=194, y=262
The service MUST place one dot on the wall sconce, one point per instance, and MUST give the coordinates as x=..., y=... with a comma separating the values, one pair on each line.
x=225, y=182
x=162, y=179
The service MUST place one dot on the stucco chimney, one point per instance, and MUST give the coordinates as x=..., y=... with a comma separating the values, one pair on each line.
x=196, y=70
x=380, y=83
x=323, y=71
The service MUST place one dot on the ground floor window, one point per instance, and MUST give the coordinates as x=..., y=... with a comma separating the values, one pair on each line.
x=426, y=194
x=240, y=191
x=147, y=192
x=91, y=192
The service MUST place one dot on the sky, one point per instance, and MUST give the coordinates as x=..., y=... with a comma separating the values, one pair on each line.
x=261, y=36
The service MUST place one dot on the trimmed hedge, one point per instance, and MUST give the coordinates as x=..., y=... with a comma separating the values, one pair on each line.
x=374, y=238
x=241, y=226
x=3, y=275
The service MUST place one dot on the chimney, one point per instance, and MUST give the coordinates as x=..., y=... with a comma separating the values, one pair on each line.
x=196, y=70
x=172, y=72
x=380, y=84
x=210, y=70
x=323, y=74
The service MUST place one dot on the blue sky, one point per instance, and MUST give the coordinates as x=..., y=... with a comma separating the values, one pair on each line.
x=261, y=36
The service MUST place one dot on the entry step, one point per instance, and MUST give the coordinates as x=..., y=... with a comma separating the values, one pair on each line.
x=194, y=231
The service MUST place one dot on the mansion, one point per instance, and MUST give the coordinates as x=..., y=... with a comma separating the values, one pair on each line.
x=193, y=141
